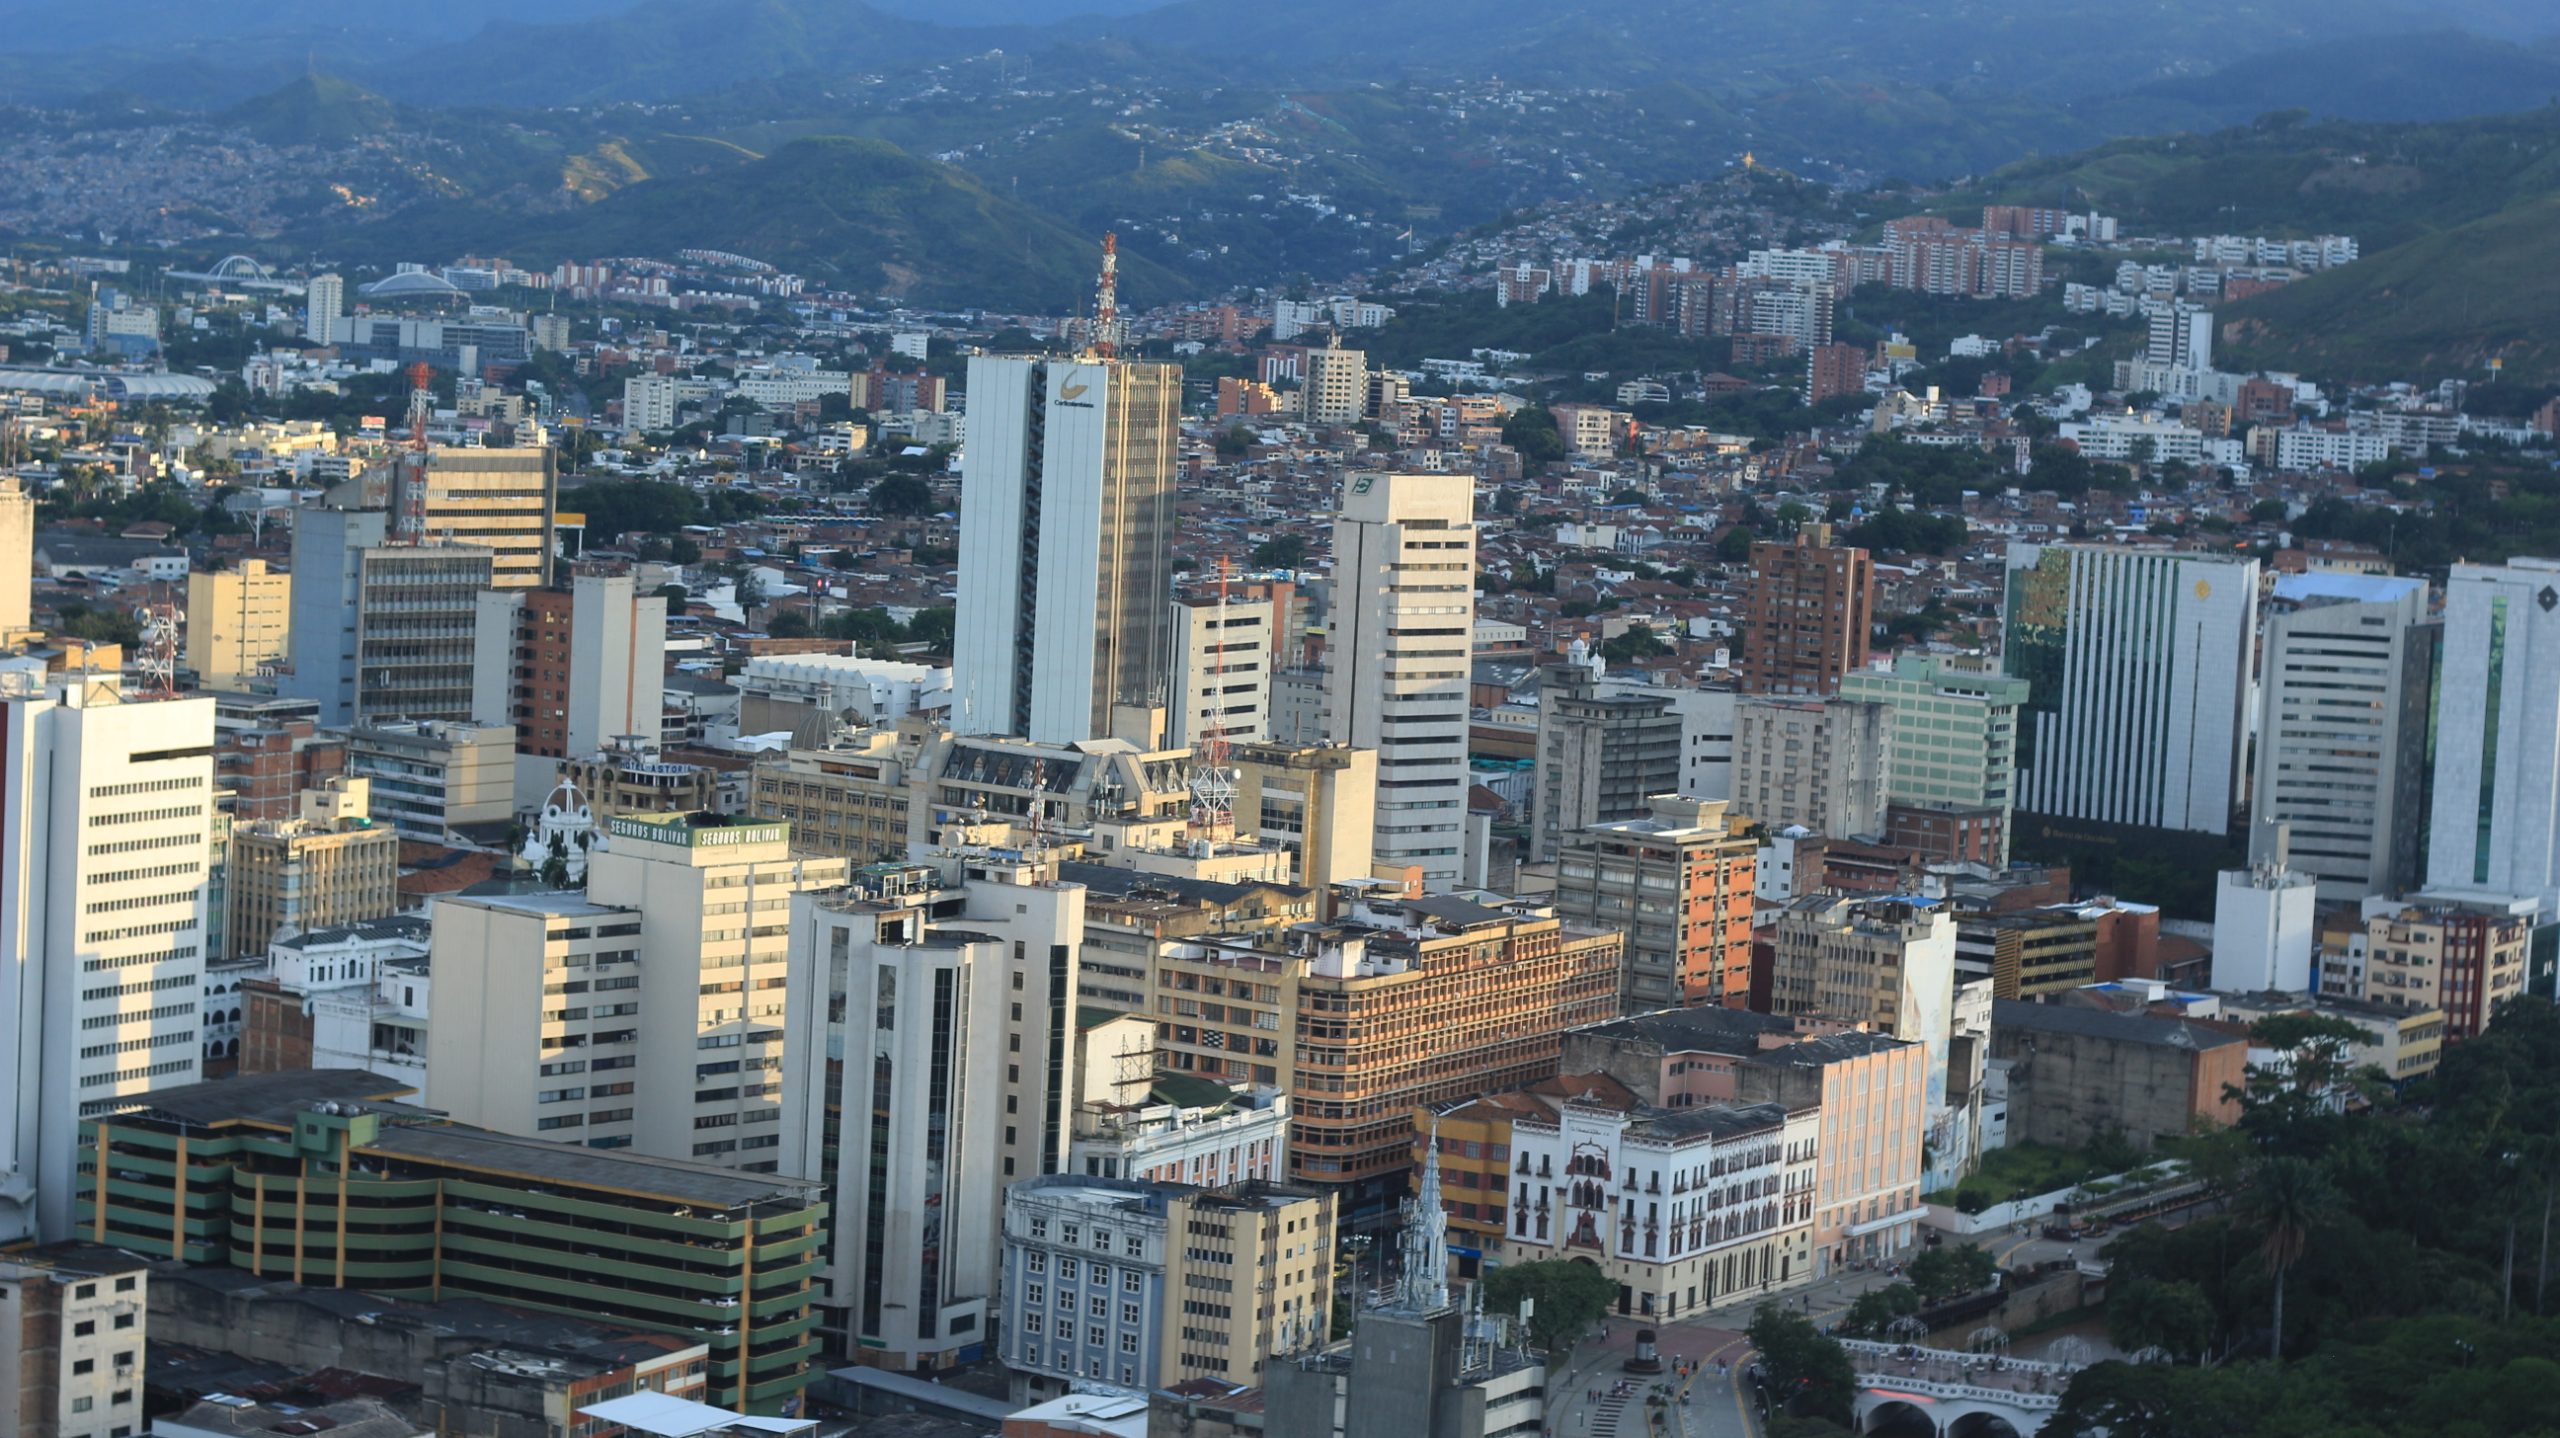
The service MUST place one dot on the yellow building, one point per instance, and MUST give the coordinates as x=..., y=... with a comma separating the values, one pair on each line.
x=1319, y=801
x=238, y=620
x=328, y=867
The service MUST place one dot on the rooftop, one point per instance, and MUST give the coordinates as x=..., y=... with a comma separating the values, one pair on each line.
x=2016, y=1016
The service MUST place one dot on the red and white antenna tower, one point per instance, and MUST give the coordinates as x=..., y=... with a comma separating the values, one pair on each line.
x=1213, y=777
x=421, y=399
x=1106, y=301
x=409, y=471
x=158, y=662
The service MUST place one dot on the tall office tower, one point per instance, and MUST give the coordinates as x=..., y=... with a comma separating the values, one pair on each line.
x=1221, y=671
x=1811, y=605
x=2137, y=665
x=328, y=867
x=572, y=667
x=1404, y=565
x=2181, y=337
x=1601, y=757
x=1317, y=802
x=17, y=556
x=929, y=1064
x=702, y=907
x=1066, y=545
x=1337, y=385
x=2495, y=827
x=106, y=823
x=323, y=301
x=385, y=629
x=1678, y=884
x=238, y=621
x=2348, y=683
x=1955, y=736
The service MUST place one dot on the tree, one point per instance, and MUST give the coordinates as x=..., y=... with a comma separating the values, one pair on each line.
x=1734, y=545
x=749, y=594
x=1286, y=551
x=2302, y=1085
x=1235, y=442
x=2147, y=1313
x=2290, y=1196
x=901, y=494
x=1951, y=1270
x=1808, y=1374
x=1876, y=1308
x=791, y=624
x=1570, y=1297
x=1532, y=431
x=1637, y=642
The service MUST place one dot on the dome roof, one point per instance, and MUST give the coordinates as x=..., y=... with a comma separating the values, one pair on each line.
x=411, y=282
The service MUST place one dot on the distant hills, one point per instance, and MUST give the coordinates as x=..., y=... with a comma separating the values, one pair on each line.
x=2456, y=219
x=316, y=109
x=857, y=213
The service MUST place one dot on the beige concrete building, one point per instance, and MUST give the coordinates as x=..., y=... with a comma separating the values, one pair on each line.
x=501, y=499
x=1818, y=763
x=1320, y=801
x=1161, y=1260
x=1337, y=387
x=17, y=557
x=238, y=620
x=431, y=777
x=849, y=800
x=628, y=777
x=1221, y=677
x=330, y=866
x=2461, y=961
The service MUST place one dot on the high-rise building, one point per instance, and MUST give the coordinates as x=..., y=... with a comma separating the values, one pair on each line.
x=1834, y=370
x=678, y=946
x=929, y=1065
x=1811, y=606
x=395, y=1199
x=1337, y=389
x=329, y=867
x=572, y=667
x=1955, y=735
x=1820, y=763
x=1396, y=669
x=17, y=556
x=1678, y=884
x=324, y=299
x=2463, y=960
x=383, y=630
x=1600, y=758
x=106, y=823
x=1886, y=964
x=2180, y=337
x=2349, y=685
x=2137, y=663
x=2495, y=826
x=430, y=778
x=1221, y=671
x=1104, y=1280
x=1066, y=545
x=239, y=620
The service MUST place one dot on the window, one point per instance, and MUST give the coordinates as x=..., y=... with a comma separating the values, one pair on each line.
x=1133, y=1245
x=1070, y=1233
x=1066, y=1269
x=1039, y=1228
x=1132, y=1281
x=1031, y=1322
x=1097, y=1307
x=1034, y=1293
x=82, y=1405
x=1129, y=1313
x=85, y=1365
x=1128, y=1343
x=1037, y=1262
x=84, y=1328
x=1102, y=1239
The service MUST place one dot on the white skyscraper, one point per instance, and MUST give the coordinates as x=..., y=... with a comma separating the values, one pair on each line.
x=2495, y=831
x=323, y=301
x=929, y=1064
x=1066, y=546
x=1221, y=671
x=106, y=823
x=2137, y=663
x=1396, y=669
x=2347, y=682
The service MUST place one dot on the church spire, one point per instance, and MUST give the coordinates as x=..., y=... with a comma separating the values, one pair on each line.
x=1425, y=1283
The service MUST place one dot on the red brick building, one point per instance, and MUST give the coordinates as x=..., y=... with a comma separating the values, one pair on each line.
x=1811, y=610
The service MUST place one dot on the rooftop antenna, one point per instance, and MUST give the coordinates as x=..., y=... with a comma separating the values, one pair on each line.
x=1213, y=782
x=1106, y=301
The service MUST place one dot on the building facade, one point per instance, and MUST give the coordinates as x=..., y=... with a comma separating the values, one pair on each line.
x=1221, y=671
x=431, y=777
x=331, y=866
x=1811, y=606
x=1955, y=737
x=1678, y=884
x=1601, y=758
x=2138, y=667
x=2494, y=830
x=2348, y=684
x=106, y=824
x=1820, y=763
x=1068, y=542
x=1396, y=667
x=2462, y=962
x=238, y=623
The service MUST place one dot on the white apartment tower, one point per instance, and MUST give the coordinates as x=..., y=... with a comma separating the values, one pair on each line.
x=1066, y=545
x=669, y=968
x=323, y=301
x=106, y=824
x=2347, y=682
x=1337, y=385
x=2495, y=829
x=17, y=556
x=1404, y=567
x=929, y=1065
x=2137, y=664
x=1221, y=671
